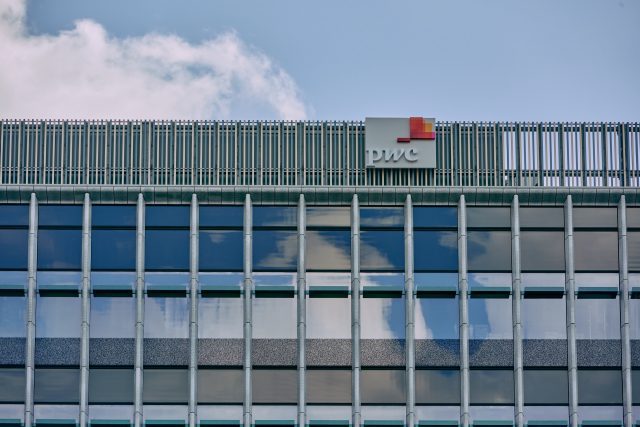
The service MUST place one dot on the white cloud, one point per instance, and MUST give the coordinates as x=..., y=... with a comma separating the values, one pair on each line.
x=86, y=73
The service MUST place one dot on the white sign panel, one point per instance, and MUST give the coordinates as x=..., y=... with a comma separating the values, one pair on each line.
x=400, y=143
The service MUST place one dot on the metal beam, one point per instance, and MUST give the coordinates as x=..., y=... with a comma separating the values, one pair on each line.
x=193, y=313
x=625, y=332
x=409, y=313
x=302, y=311
x=516, y=312
x=86, y=307
x=570, y=286
x=247, y=314
x=30, y=345
x=355, y=311
x=464, y=312
x=139, y=339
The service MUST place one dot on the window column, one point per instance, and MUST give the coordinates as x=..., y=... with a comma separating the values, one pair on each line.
x=84, y=339
x=355, y=311
x=517, y=321
x=625, y=333
x=302, y=312
x=193, y=312
x=570, y=287
x=31, y=311
x=248, y=290
x=409, y=313
x=139, y=337
x=464, y=312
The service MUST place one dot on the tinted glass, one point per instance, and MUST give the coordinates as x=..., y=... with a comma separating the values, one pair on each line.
x=13, y=382
x=488, y=217
x=59, y=215
x=113, y=250
x=491, y=386
x=275, y=216
x=595, y=217
x=275, y=250
x=220, y=317
x=489, y=250
x=167, y=216
x=435, y=250
x=382, y=217
x=165, y=386
x=328, y=250
x=167, y=250
x=56, y=385
x=274, y=385
x=635, y=386
x=221, y=216
x=599, y=387
x=113, y=216
x=435, y=217
x=382, y=251
x=274, y=318
x=382, y=318
x=633, y=217
x=14, y=245
x=490, y=318
x=383, y=386
x=544, y=318
x=14, y=215
x=436, y=318
x=633, y=250
x=166, y=317
x=59, y=249
x=58, y=317
x=634, y=318
x=328, y=386
x=111, y=385
x=542, y=250
x=328, y=216
x=12, y=316
x=546, y=387
x=595, y=250
x=221, y=250
x=597, y=318
x=437, y=386
x=112, y=317
x=541, y=217
x=329, y=318
x=221, y=386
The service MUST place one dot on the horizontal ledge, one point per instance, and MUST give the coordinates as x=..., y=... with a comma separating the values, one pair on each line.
x=544, y=291
x=110, y=423
x=547, y=423
x=336, y=291
x=382, y=291
x=436, y=423
x=597, y=291
x=329, y=423
x=219, y=423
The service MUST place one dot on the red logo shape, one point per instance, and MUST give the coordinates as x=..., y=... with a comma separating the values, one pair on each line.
x=419, y=128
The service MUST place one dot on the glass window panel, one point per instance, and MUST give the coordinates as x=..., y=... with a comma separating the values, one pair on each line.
x=167, y=250
x=635, y=386
x=14, y=411
x=111, y=385
x=546, y=387
x=274, y=386
x=595, y=217
x=544, y=318
x=437, y=413
x=166, y=317
x=220, y=317
x=60, y=215
x=328, y=216
x=151, y=414
x=165, y=386
x=382, y=318
x=435, y=217
x=275, y=216
x=56, y=385
x=58, y=317
x=489, y=250
x=378, y=413
x=113, y=216
x=329, y=279
x=634, y=318
x=269, y=280
x=633, y=250
x=113, y=250
x=490, y=318
x=436, y=280
x=488, y=217
x=14, y=249
x=59, y=249
x=491, y=386
x=328, y=412
x=219, y=412
x=13, y=316
x=382, y=217
x=538, y=217
x=491, y=413
x=167, y=216
x=13, y=385
x=328, y=250
x=220, y=386
x=595, y=250
x=437, y=386
x=221, y=250
x=221, y=216
x=274, y=412
x=599, y=387
x=221, y=279
x=435, y=250
x=329, y=318
x=633, y=217
x=542, y=280
x=14, y=215
x=112, y=317
x=598, y=318
x=604, y=413
x=586, y=280
x=111, y=412
x=542, y=250
x=275, y=250
x=436, y=318
x=541, y=413
x=328, y=386
x=113, y=280
x=383, y=386
x=274, y=318
x=56, y=412
x=489, y=280
x=382, y=251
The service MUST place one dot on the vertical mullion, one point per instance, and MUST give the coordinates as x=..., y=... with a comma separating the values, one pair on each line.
x=193, y=312
x=302, y=311
x=84, y=344
x=464, y=312
x=355, y=311
x=247, y=313
x=625, y=333
x=571, y=315
x=516, y=312
x=139, y=337
x=31, y=311
x=409, y=312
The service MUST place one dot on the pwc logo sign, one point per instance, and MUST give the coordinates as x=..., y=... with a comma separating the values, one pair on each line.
x=396, y=143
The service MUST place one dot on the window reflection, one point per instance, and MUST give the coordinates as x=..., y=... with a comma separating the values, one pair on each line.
x=435, y=217
x=491, y=387
x=492, y=217
x=219, y=412
x=382, y=318
x=436, y=318
x=275, y=216
x=381, y=217
x=59, y=249
x=220, y=317
x=595, y=250
x=383, y=386
x=435, y=250
x=12, y=316
x=60, y=215
x=112, y=317
x=221, y=216
x=544, y=318
x=329, y=318
x=599, y=387
x=539, y=217
x=489, y=250
x=58, y=316
x=113, y=216
x=382, y=251
x=221, y=250
x=166, y=317
x=438, y=386
x=595, y=217
x=167, y=216
x=14, y=249
x=328, y=216
x=113, y=250
x=542, y=250
x=599, y=413
x=541, y=413
x=111, y=412
x=328, y=250
x=14, y=215
x=274, y=316
x=437, y=413
x=490, y=318
x=598, y=318
x=275, y=250
x=167, y=250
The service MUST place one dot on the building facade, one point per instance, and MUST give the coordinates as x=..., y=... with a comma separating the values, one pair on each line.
x=228, y=273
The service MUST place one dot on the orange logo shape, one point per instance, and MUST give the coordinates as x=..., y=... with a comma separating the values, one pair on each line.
x=419, y=128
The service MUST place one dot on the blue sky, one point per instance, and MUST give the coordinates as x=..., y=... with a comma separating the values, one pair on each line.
x=545, y=60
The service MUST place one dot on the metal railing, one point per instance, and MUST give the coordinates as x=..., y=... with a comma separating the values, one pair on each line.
x=312, y=154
